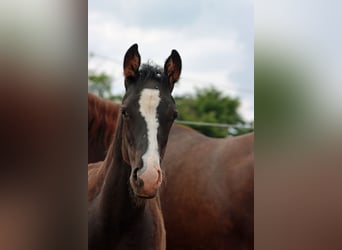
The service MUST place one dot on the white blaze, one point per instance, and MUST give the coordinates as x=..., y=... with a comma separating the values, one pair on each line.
x=149, y=102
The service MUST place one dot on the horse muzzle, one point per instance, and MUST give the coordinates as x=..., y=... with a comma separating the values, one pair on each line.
x=146, y=181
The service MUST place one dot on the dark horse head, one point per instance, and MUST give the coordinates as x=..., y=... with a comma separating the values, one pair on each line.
x=147, y=113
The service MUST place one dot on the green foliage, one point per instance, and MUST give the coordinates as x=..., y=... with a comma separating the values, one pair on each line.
x=99, y=84
x=281, y=96
x=209, y=105
x=115, y=98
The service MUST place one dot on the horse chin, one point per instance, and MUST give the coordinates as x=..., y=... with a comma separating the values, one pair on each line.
x=142, y=194
x=145, y=196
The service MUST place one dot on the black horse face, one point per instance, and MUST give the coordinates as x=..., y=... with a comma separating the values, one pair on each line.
x=148, y=111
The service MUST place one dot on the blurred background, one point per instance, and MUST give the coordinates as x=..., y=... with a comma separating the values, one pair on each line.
x=298, y=143
x=215, y=94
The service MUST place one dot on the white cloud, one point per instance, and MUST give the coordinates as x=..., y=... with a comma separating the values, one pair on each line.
x=209, y=58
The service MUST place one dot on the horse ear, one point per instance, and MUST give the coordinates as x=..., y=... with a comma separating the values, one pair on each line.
x=131, y=61
x=173, y=67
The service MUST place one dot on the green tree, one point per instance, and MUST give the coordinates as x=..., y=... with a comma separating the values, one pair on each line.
x=99, y=84
x=211, y=106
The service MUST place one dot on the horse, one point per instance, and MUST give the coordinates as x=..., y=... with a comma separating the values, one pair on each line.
x=124, y=210
x=102, y=118
x=208, y=200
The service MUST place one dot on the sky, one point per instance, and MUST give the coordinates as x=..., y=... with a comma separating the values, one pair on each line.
x=215, y=40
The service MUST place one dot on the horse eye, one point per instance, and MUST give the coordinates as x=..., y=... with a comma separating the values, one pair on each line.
x=124, y=113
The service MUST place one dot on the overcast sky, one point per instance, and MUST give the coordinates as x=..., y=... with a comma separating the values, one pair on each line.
x=214, y=38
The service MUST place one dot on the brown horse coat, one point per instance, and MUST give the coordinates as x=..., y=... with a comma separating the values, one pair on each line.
x=144, y=228
x=102, y=119
x=208, y=200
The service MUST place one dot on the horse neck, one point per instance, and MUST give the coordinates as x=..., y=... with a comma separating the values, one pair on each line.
x=117, y=204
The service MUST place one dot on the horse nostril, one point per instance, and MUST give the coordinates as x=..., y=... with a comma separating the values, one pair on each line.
x=138, y=182
x=135, y=173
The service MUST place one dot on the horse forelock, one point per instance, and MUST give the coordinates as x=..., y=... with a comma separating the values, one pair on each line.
x=150, y=71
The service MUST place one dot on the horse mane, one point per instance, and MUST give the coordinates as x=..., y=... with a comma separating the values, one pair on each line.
x=102, y=119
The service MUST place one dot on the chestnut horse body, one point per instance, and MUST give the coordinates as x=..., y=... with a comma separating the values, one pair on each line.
x=208, y=200
x=124, y=210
